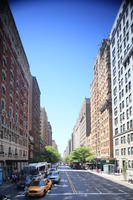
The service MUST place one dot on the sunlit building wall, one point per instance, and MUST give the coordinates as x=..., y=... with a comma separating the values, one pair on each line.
x=100, y=139
x=121, y=51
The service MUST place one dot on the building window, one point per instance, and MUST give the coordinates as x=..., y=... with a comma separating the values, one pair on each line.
x=132, y=28
x=3, y=104
x=126, y=12
x=123, y=19
x=123, y=151
x=116, y=131
x=122, y=93
x=130, y=98
x=117, y=141
x=129, y=85
x=126, y=101
x=126, y=78
x=4, y=62
x=115, y=91
x=129, y=164
x=3, y=76
x=1, y=149
x=122, y=104
x=127, y=24
x=9, y=151
x=129, y=73
x=11, y=100
x=2, y=119
x=131, y=137
x=124, y=31
x=130, y=111
x=131, y=123
x=115, y=111
x=9, y=138
x=127, y=113
x=10, y=112
x=128, y=138
x=129, y=150
x=123, y=127
x=115, y=100
x=126, y=88
x=123, y=140
x=127, y=36
x=3, y=90
x=16, y=152
x=127, y=125
x=132, y=15
x=117, y=152
x=123, y=115
x=114, y=81
x=1, y=134
x=120, y=107
x=116, y=121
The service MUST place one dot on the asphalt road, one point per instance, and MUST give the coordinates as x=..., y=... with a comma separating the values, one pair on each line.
x=78, y=185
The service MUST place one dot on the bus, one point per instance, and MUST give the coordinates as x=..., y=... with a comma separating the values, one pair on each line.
x=35, y=168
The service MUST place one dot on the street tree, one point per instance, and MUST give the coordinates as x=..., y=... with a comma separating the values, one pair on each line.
x=81, y=155
x=51, y=155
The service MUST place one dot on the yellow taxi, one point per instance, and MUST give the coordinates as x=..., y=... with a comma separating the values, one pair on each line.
x=39, y=187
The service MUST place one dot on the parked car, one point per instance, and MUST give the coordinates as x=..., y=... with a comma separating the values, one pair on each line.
x=39, y=187
x=54, y=177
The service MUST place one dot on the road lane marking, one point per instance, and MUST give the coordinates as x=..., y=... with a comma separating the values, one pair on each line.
x=104, y=194
x=98, y=190
x=70, y=182
x=121, y=191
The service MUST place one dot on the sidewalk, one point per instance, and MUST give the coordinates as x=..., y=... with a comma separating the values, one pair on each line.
x=113, y=177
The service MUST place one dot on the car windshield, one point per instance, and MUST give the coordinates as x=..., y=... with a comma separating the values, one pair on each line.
x=55, y=173
x=38, y=183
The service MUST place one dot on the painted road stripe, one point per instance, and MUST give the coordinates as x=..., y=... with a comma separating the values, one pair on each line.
x=70, y=182
x=98, y=190
x=84, y=194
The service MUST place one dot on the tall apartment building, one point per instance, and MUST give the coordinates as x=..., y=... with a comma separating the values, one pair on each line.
x=82, y=127
x=44, y=126
x=100, y=139
x=121, y=50
x=49, y=134
x=35, y=120
x=14, y=92
x=54, y=145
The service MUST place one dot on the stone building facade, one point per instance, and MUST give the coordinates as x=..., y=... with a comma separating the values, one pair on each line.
x=14, y=96
x=100, y=139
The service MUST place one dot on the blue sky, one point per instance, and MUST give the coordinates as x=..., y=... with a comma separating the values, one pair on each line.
x=61, y=39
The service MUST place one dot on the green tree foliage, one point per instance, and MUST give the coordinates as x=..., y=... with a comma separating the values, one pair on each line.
x=81, y=155
x=66, y=159
x=51, y=155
